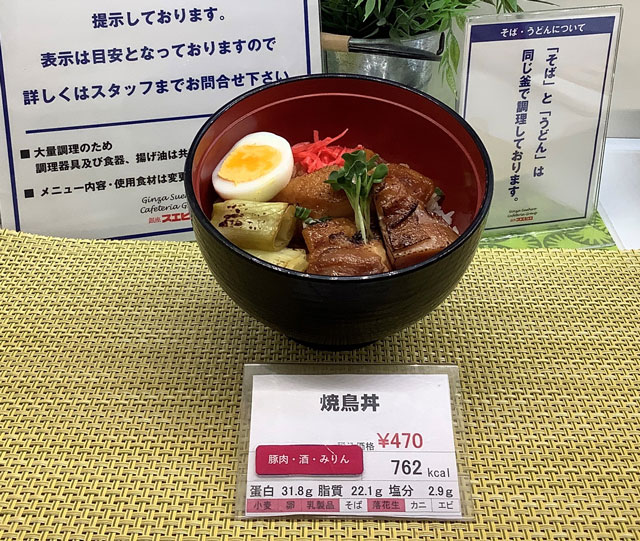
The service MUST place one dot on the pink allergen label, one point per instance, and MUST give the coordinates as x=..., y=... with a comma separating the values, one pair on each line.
x=386, y=505
x=282, y=505
x=309, y=460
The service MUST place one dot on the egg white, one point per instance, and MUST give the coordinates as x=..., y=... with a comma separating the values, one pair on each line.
x=266, y=186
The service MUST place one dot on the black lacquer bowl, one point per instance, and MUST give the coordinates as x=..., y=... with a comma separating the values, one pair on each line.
x=404, y=126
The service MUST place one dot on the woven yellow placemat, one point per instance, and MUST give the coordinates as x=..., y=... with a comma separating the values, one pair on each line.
x=121, y=367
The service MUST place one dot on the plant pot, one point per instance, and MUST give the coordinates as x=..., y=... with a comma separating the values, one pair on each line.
x=408, y=71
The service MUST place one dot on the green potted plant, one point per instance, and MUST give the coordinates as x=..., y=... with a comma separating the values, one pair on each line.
x=413, y=23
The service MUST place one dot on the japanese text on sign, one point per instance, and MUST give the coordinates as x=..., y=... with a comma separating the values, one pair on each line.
x=544, y=121
x=142, y=79
x=349, y=402
x=115, y=19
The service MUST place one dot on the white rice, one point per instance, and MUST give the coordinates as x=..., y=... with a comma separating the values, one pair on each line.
x=434, y=206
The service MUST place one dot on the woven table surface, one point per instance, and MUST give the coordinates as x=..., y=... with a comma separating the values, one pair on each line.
x=121, y=370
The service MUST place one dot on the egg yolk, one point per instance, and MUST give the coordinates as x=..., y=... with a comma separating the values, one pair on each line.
x=249, y=162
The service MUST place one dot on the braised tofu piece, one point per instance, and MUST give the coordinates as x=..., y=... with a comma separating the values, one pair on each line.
x=310, y=190
x=336, y=250
x=411, y=233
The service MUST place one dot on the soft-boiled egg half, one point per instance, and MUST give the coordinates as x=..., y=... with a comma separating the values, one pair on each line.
x=257, y=167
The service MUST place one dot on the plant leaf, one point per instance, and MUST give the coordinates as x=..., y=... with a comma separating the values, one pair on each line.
x=451, y=79
x=369, y=7
x=454, y=51
x=510, y=5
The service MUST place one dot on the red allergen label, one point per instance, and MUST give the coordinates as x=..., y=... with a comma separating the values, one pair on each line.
x=309, y=460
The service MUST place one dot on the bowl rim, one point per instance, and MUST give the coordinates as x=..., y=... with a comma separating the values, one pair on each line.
x=208, y=226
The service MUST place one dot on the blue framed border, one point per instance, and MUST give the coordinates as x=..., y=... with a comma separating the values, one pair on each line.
x=7, y=125
x=155, y=234
x=111, y=124
x=307, y=40
x=7, y=129
x=599, y=25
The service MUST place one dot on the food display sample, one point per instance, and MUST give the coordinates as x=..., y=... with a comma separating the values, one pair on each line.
x=323, y=208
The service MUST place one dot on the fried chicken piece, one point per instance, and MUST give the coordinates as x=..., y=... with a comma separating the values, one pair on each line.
x=311, y=191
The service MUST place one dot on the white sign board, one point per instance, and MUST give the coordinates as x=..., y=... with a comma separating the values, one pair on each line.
x=537, y=87
x=101, y=102
x=352, y=444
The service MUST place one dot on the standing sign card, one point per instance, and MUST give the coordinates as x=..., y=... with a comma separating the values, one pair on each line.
x=537, y=87
x=352, y=444
x=101, y=102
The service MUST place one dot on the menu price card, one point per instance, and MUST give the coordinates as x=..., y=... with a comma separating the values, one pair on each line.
x=351, y=444
x=101, y=101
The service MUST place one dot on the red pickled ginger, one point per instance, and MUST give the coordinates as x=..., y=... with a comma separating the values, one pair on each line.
x=321, y=152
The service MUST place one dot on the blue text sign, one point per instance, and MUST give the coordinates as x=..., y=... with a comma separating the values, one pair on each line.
x=537, y=87
x=100, y=103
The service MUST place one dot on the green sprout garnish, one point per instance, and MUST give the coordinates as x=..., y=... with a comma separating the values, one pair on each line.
x=356, y=178
x=304, y=214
